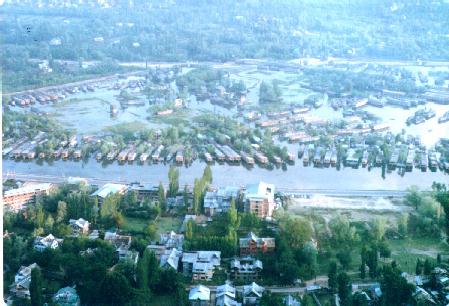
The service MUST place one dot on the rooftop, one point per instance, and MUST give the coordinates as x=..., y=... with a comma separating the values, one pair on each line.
x=109, y=189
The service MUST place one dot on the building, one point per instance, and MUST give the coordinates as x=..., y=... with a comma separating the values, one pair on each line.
x=42, y=243
x=17, y=199
x=158, y=250
x=122, y=243
x=252, y=294
x=200, y=265
x=226, y=295
x=107, y=190
x=145, y=191
x=259, y=199
x=253, y=245
x=199, y=296
x=172, y=240
x=289, y=300
x=66, y=296
x=79, y=226
x=246, y=269
x=220, y=200
x=21, y=286
x=170, y=259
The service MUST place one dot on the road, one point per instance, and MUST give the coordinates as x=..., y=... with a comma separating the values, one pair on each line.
x=299, y=193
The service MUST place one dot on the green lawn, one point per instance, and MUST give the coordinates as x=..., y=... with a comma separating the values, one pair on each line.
x=135, y=224
x=163, y=300
x=407, y=251
x=165, y=224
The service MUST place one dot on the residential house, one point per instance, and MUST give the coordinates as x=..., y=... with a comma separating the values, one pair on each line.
x=19, y=198
x=21, y=286
x=170, y=259
x=259, y=199
x=122, y=243
x=200, y=265
x=246, y=269
x=145, y=191
x=289, y=300
x=252, y=294
x=172, y=240
x=253, y=245
x=158, y=250
x=66, y=296
x=79, y=226
x=220, y=200
x=42, y=243
x=107, y=190
x=226, y=296
x=199, y=296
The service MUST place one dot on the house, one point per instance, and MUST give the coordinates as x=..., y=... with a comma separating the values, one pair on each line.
x=170, y=259
x=252, y=294
x=199, y=296
x=19, y=198
x=21, y=286
x=42, y=243
x=246, y=269
x=122, y=243
x=66, y=296
x=259, y=199
x=145, y=191
x=291, y=301
x=107, y=190
x=158, y=250
x=172, y=240
x=220, y=200
x=79, y=226
x=200, y=265
x=226, y=295
x=253, y=244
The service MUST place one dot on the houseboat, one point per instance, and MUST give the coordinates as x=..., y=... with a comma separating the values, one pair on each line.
x=41, y=155
x=208, y=157
x=99, y=156
x=352, y=158
x=261, y=158
x=247, y=158
x=334, y=157
x=111, y=155
x=424, y=161
x=131, y=156
x=317, y=157
x=57, y=153
x=156, y=156
x=180, y=156
x=122, y=155
x=143, y=157
x=277, y=160
x=77, y=154
x=444, y=118
x=327, y=158
x=65, y=153
x=433, y=162
x=410, y=160
x=305, y=157
x=365, y=158
x=394, y=159
x=220, y=156
x=301, y=150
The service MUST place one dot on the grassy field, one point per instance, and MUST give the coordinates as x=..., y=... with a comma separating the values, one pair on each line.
x=164, y=224
x=407, y=251
x=163, y=300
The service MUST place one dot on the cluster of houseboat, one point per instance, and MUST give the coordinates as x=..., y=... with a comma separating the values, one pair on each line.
x=404, y=157
x=46, y=97
x=420, y=116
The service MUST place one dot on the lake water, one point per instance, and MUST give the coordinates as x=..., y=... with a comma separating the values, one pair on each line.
x=90, y=114
x=295, y=177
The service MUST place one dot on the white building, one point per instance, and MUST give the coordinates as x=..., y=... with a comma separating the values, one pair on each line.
x=21, y=286
x=252, y=294
x=199, y=296
x=172, y=240
x=79, y=226
x=42, y=243
x=200, y=265
x=170, y=259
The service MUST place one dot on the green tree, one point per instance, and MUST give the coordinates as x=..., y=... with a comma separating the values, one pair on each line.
x=344, y=289
x=419, y=267
x=61, y=212
x=396, y=291
x=297, y=231
x=207, y=174
x=332, y=276
x=161, y=197
x=173, y=181
x=36, y=288
x=151, y=230
x=115, y=289
x=413, y=197
x=428, y=266
x=232, y=215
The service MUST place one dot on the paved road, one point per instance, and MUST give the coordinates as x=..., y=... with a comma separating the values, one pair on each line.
x=292, y=192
